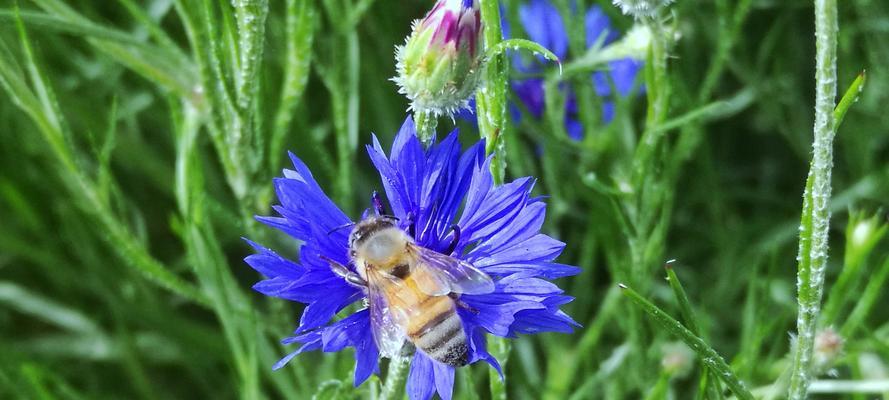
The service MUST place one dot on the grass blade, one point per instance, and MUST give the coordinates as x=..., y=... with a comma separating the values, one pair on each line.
x=709, y=357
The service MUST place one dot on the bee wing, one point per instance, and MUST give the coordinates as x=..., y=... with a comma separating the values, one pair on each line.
x=437, y=274
x=388, y=316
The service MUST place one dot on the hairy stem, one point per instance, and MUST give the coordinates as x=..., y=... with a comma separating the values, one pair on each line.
x=816, y=214
x=426, y=124
x=491, y=98
x=399, y=367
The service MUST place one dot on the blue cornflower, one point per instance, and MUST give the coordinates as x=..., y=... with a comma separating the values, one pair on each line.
x=543, y=24
x=446, y=201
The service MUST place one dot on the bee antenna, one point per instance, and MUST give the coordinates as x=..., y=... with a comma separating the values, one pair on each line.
x=340, y=227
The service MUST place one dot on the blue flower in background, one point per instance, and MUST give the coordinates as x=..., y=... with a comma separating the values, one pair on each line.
x=543, y=24
x=446, y=201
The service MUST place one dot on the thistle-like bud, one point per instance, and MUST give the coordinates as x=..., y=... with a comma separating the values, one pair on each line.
x=439, y=64
x=828, y=347
x=677, y=358
x=640, y=8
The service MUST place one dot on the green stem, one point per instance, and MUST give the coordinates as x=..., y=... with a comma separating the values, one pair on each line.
x=426, y=124
x=816, y=214
x=688, y=316
x=491, y=97
x=656, y=80
x=499, y=348
x=399, y=367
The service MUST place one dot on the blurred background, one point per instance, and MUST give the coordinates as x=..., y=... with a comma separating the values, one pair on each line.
x=138, y=138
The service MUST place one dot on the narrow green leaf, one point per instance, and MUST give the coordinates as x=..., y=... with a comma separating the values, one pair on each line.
x=871, y=295
x=521, y=44
x=44, y=111
x=688, y=316
x=659, y=391
x=850, y=97
x=166, y=66
x=863, y=233
x=56, y=23
x=684, y=305
x=357, y=12
x=710, y=112
x=251, y=16
x=710, y=357
x=300, y=30
x=153, y=27
x=50, y=311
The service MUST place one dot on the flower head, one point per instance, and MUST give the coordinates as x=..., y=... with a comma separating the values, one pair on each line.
x=439, y=64
x=828, y=347
x=446, y=202
x=543, y=23
x=677, y=358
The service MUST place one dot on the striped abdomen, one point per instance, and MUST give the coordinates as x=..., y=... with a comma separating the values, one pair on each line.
x=438, y=331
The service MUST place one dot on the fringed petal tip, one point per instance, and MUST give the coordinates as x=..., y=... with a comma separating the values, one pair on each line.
x=429, y=190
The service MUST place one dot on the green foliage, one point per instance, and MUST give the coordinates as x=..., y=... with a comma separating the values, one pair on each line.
x=138, y=138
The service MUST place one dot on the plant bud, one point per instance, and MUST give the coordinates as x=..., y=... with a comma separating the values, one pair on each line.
x=439, y=64
x=828, y=347
x=677, y=358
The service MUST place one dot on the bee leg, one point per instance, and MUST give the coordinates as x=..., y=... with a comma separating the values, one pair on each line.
x=455, y=240
x=461, y=303
x=345, y=273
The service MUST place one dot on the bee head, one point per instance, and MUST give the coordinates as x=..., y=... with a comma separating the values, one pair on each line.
x=377, y=239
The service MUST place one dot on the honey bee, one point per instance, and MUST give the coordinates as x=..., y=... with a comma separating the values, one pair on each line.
x=412, y=292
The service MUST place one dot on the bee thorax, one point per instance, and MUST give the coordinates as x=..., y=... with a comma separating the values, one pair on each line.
x=382, y=247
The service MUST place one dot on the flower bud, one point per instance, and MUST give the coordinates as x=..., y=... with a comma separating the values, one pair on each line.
x=828, y=347
x=677, y=359
x=640, y=8
x=438, y=66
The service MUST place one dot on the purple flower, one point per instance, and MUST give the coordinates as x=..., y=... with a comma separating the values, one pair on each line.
x=439, y=63
x=428, y=191
x=543, y=24
x=454, y=24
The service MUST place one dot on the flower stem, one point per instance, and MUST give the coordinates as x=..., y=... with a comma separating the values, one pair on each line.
x=426, y=124
x=816, y=215
x=399, y=367
x=491, y=97
x=499, y=348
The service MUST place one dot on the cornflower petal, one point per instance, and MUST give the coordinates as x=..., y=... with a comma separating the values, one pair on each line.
x=421, y=378
x=429, y=191
x=544, y=25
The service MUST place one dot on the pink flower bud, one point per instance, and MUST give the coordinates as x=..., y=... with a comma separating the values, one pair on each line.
x=438, y=66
